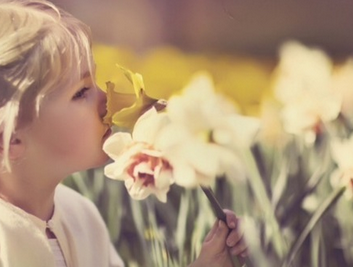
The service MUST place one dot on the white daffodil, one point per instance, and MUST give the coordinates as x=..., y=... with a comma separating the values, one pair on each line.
x=204, y=131
x=192, y=143
x=342, y=154
x=304, y=86
x=137, y=162
x=343, y=85
x=271, y=132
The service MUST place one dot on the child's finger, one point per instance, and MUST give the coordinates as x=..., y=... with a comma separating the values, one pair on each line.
x=231, y=219
x=245, y=253
x=234, y=237
x=240, y=249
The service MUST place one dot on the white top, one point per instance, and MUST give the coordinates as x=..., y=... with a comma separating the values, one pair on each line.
x=76, y=223
x=58, y=254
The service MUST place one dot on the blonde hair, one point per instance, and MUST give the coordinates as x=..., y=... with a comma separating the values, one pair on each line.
x=42, y=48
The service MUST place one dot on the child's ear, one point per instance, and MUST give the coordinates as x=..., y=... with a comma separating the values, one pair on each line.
x=16, y=146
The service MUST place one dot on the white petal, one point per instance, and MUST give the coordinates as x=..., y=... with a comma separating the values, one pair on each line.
x=148, y=126
x=109, y=170
x=184, y=175
x=234, y=169
x=201, y=156
x=116, y=143
x=136, y=189
x=197, y=98
x=244, y=129
x=205, y=180
x=163, y=178
x=152, y=153
x=162, y=196
x=342, y=153
x=171, y=135
x=114, y=171
x=200, y=81
x=330, y=107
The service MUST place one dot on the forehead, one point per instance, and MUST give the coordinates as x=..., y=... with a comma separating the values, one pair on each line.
x=70, y=75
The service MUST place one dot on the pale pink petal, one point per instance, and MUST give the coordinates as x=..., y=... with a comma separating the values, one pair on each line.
x=142, y=167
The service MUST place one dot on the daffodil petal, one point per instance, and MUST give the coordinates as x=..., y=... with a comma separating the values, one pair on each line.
x=149, y=125
x=184, y=175
x=244, y=129
x=164, y=178
x=116, y=102
x=114, y=171
x=116, y=143
x=127, y=117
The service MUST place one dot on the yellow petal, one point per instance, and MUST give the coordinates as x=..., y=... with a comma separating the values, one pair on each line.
x=116, y=102
x=124, y=109
x=135, y=78
x=127, y=117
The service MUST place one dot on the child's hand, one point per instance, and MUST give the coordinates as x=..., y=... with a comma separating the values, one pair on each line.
x=221, y=243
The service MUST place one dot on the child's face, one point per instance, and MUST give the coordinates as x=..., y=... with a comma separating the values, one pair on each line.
x=68, y=134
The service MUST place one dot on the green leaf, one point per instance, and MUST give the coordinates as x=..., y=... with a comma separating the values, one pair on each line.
x=325, y=205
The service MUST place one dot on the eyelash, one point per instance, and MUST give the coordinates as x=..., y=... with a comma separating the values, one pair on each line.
x=80, y=94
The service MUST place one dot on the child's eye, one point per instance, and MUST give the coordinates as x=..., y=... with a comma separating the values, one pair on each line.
x=80, y=94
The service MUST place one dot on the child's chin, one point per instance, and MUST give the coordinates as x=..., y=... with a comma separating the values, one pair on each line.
x=104, y=159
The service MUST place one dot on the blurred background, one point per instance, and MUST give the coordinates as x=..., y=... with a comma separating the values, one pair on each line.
x=237, y=41
x=255, y=27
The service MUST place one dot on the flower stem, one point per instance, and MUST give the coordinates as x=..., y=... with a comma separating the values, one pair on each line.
x=326, y=204
x=214, y=203
x=222, y=216
x=257, y=185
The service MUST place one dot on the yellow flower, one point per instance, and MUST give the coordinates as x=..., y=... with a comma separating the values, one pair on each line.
x=123, y=109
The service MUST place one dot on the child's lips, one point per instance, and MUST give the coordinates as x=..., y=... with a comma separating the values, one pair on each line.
x=107, y=133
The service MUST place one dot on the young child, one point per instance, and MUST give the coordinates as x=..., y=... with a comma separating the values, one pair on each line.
x=51, y=125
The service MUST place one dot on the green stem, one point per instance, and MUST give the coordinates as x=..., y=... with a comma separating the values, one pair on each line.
x=257, y=185
x=328, y=202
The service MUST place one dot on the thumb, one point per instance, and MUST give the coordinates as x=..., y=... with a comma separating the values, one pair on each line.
x=211, y=233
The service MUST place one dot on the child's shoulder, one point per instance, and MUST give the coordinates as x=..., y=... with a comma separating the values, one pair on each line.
x=76, y=206
x=67, y=194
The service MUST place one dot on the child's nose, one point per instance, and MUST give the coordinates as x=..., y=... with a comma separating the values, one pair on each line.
x=102, y=102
